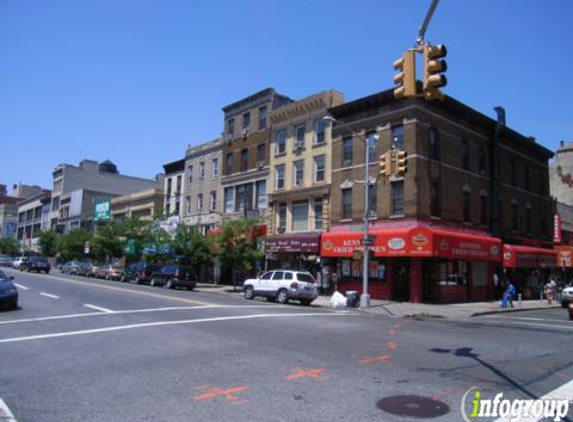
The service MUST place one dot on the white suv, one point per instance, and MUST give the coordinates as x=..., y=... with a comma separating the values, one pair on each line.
x=282, y=285
x=567, y=296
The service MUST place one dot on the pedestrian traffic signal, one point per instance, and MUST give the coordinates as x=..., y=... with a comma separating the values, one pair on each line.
x=434, y=66
x=406, y=77
x=386, y=164
x=401, y=162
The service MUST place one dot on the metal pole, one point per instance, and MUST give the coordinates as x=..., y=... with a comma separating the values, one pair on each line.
x=365, y=297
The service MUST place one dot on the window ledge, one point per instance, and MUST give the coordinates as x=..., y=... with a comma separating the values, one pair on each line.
x=346, y=220
x=281, y=154
x=396, y=216
x=322, y=144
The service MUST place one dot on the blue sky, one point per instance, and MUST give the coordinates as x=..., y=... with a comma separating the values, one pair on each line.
x=135, y=81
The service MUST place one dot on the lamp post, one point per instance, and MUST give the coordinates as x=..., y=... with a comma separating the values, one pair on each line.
x=366, y=242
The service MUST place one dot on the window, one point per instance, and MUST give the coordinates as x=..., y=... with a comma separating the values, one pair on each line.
x=513, y=173
x=201, y=170
x=213, y=201
x=299, y=132
x=244, y=197
x=467, y=198
x=298, y=173
x=527, y=179
x=169, y=187
x=282, y=216
x=528, y=224
x=262, y=117
x=229, y=199
x=319, y=131
x=267, y=276
x=372, y=200
x=514, y=216
x=179, y=182
x=261, y=194
x=347, y=146
x=280, y=139
x=230, y=163
x=318, y=214
x=168, y=209
x=187, y=205
x=347, y=203
x=288, y=276
x=280, y=177
x=215, y=168
x=278, y=275
x=319, y=169
x=55, y=203
x=453, y=273
x=246, y=121
x=434, y=144
x=231, y=127
x=398, y=136
x=372, y=144
x=244, y=159
x=435, y=199
x=398, y=197
x=176, y=211
x=465, y=155
x=199, y=202
x=483, y=210
x=482, y=163
x=300, y=216
x=190, y=174
x=260, y=155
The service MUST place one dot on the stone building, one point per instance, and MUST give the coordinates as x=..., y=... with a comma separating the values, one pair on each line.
x=142, y=205
x=33, y=218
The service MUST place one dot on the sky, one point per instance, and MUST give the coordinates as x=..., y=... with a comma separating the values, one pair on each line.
x=136, y=81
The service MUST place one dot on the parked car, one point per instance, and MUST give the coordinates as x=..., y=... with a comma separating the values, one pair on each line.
x=87, y=269
x=17, y=261
x=282, y=285
x=71, y=267
x=6, y=261
x=172, y=276
x=109, y=272
x=567, y=296
x=36, y=263
x=8, y=292
x=140, y=272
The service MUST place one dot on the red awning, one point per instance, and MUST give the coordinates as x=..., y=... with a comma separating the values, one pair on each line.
x=416, y=242
x=517, y=256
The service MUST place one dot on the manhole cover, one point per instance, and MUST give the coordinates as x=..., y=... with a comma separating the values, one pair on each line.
x=414, y=406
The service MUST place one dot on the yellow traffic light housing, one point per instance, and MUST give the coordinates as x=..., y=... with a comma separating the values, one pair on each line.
x=401, y=162
x=434, y=66
x=406, y=77
x=386, y=164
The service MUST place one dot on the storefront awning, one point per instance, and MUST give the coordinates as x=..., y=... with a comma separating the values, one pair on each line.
x=517, y=256
x=416, y=242
x=564, y=256
x=308, y=243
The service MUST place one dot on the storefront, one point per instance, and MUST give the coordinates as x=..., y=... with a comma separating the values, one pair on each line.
x=419, y=264
x=564, y=270
x=528, y=268
x=295, y=251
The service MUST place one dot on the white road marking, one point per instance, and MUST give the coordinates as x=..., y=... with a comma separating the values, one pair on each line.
x=563, y=392
x=531, y=324
x=99, y=308
x=525, y=318
x=162, y=323
x=5, y=414
x=49, y=295
x=20, y=286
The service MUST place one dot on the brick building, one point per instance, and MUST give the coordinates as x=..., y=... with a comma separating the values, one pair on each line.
x=474, y=202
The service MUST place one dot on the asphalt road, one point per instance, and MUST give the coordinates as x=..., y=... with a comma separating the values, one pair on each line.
x=91, y=350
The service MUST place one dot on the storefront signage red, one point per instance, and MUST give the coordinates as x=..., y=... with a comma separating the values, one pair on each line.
x=557, y=228
x=517, y=256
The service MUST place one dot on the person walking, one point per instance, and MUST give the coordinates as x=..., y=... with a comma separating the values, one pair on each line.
x=510, y=292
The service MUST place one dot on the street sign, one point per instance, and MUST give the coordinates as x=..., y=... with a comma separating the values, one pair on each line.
x=357, y=255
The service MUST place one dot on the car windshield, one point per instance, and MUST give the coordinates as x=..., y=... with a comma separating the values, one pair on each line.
x=41, y=260
x=305, y=277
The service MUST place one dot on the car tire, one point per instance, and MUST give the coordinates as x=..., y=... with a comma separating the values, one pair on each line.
x=137, y=280
x=47, y=271
x=305, y=302
x=249, y=293
x=122, y=279
x=282, y=296
x=169, y=284
x=152, y=282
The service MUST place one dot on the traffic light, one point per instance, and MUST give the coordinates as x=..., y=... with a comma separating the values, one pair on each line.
x=401, y=162
x=406, y=77
x=434, y=66
x=386, y=164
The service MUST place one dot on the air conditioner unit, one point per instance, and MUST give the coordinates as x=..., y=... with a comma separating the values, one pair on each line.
x=298, y=145
x=245, y=132
x=260, y=164
x=298, y=183
x=280, y=230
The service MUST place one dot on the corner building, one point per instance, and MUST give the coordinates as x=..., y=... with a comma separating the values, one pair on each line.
x=473, y=202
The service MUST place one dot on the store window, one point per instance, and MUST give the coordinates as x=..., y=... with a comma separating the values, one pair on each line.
x=353, y=269
x=452, y=273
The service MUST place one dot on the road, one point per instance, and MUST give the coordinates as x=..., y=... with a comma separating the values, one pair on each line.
x=92, y=350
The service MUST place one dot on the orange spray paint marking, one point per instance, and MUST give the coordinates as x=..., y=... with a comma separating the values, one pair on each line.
x=391, y=331
x=392, y=345
x=216, y=392
x=380, y=358
x=311, y=373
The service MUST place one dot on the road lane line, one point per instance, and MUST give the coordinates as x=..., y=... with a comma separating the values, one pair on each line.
x=163, y=323
x=526, y=318
x=20, y=286
x=99, y=308
x=49, y=295
x=531, y=324
x=5, y=414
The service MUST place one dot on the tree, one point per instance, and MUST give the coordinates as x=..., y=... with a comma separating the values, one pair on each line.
x=9, y=246
x=48, y=240
x=191, y=247
x=137, y=234
x=106, y=242
x=71, y=246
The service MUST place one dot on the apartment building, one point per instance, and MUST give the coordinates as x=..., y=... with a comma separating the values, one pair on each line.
x=142, y=205
x=33, y=218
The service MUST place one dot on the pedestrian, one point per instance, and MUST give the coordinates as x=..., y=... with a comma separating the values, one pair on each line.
x=510, y=293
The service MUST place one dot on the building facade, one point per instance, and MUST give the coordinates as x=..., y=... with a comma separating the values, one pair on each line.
x=299, y=180
x=173, y=188
x=33, y=218
x=8, y=216
x=203, y=194
x=142, y=205
x=462, y=212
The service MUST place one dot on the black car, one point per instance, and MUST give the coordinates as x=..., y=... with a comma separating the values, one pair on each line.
x=36, y=263
x=172, y=276
x=140, y=272
x=8, y=292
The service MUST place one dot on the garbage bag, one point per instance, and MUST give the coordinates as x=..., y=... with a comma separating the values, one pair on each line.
x=338, y=300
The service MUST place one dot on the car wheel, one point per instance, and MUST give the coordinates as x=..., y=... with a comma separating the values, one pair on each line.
x=107, y=277
x=122, y=279
x=47, y=271
x=282, y=296
x=152, y=283
x=563, y=304
x=305, y=302
x=249, y=293
x=169, y=284
x=137, y=280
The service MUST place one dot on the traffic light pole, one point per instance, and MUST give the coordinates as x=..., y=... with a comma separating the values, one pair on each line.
x=365, y=297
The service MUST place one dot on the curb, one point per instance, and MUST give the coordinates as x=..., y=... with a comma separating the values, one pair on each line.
x=537, y=308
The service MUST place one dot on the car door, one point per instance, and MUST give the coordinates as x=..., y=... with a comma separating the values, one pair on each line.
x=260, y=284
x=275, y=283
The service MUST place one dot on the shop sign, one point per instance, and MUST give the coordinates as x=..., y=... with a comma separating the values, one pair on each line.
x=293, y=244
x=102, y=210
x=557, y=228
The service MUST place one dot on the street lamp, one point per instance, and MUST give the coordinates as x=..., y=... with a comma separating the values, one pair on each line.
x=365, y=297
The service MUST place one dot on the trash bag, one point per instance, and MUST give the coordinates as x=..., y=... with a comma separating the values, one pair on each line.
x=338, y=300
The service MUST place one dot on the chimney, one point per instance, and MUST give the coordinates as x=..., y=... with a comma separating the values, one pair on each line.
x=500, y=116
x=561, y=144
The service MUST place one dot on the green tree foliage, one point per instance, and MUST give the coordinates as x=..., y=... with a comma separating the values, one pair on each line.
x=191, y=247
x=71, y=246
x=136, y=233
x=9, y=246
x=48, y=241
x=106, y=243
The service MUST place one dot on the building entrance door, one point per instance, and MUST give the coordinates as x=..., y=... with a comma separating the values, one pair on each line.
x=401, y=280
